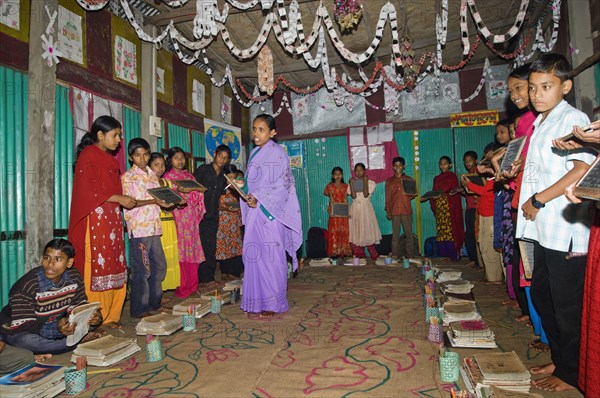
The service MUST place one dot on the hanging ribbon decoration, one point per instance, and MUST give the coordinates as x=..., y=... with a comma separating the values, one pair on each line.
x=265, y=71
x=286, y=24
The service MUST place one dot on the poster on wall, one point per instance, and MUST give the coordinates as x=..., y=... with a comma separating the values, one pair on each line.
x=216, y=134
x=295, y=151
x=426, y=101
x=160, y=80
x=497, y=90
x=125, y=60
x=10, y=13
x=198, y=97
x=70, y=35
x=226, y=109
x=320, y=112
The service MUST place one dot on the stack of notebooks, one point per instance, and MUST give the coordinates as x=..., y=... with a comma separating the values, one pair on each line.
x=459, y=298
x=320, y=262
x=159, y=325
x=454, y=312
x=202, y=307
x=232, y=285
x=225, y=296
x=471, y=334
x=497, y=392
x=500, y=369
x=446, y=275
x=106, y=350
x=461, y=286
x=34, y=380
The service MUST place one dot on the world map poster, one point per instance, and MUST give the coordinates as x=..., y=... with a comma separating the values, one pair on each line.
x=219, y=133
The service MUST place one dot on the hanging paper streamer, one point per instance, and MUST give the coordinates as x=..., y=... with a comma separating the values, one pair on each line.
x=498, y=38
x=286, y=24
x=540, y=43
x=51, y=52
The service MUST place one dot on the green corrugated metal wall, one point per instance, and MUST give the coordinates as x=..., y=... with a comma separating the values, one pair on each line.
x=13, y=146
x=64, y=154
x=179, y=136
x=198, y=148
x=132, y=125
x=471, y=139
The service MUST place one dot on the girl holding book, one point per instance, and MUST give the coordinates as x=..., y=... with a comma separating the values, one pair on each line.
x=187, y=221
x=364, y=229
x=229, y=234
x=448, y=212
x=169, y=232
x=338, y=244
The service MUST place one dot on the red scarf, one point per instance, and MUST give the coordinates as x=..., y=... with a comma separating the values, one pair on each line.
x=96, y=179
x=446, y=182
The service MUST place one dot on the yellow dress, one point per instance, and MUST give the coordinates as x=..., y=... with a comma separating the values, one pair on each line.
x=169, y=244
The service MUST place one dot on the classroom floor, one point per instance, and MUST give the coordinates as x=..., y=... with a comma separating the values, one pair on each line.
x=350, y=331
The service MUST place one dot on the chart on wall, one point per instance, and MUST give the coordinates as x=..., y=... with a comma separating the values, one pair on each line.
x=320, y=112
x=223, y=134
x=497, y=90
x=10, y=13
x=428, y=100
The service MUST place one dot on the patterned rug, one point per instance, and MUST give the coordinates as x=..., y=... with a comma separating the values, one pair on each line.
x=350, y=332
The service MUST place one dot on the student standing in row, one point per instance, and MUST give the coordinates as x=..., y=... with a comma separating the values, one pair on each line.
x=211, y=177
x=448, y=212
x=470, y=163
x=558, y=229
x=148, y=263
x=398, y=208
x=187, y=219
x=364, y=229
x=95, y=222
x=338, y=230
x=229, y=235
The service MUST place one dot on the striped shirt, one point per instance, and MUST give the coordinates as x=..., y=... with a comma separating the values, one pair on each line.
x=36, y=303
x=560, y=225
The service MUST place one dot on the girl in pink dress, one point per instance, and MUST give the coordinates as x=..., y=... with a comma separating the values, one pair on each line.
x=187, y=220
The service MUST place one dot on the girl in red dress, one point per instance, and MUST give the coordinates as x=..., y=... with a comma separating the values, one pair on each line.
x=338, y=244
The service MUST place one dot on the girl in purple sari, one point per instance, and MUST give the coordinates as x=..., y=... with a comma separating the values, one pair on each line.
x=273, y=226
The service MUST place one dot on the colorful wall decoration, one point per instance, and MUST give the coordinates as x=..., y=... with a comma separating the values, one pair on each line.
x=295, y=151
x=127, y=52
x=474, y=119
x=14, y=18
x=219, y=133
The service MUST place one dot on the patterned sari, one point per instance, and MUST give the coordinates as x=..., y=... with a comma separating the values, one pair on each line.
x=338, y=228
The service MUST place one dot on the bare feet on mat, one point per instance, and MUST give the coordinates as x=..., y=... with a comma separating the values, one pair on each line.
x=522, y=318
x=165, y=301
x=267, y=314
x=551, y=383
x=112, y=325
x=209, y=285
x=41, y=357
x=546, y=369
x=538, y=345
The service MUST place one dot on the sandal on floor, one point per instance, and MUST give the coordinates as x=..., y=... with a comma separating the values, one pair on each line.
x=538, y=345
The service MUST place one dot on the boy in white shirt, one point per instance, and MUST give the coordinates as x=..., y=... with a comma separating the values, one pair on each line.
x=559, y=229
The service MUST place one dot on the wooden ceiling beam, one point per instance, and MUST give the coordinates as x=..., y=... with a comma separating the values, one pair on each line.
x=187, y=13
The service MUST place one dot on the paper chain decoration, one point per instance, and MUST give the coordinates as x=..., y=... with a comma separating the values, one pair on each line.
x=540, y=43
x=289, y=32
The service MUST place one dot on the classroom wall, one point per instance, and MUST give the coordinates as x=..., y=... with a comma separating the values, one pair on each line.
x=322, y=154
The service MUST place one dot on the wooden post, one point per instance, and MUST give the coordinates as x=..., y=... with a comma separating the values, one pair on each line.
x=39, y=182
x=148, y=87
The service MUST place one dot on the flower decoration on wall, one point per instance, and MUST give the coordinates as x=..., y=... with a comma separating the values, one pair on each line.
x=348, y=13
x=51, y=53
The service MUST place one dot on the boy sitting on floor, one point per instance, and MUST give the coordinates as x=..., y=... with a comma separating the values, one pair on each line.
x=36, y=317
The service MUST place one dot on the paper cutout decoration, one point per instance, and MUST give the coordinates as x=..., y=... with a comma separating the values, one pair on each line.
x=265, y=70
x=51, y=52
x=226, y=109
x=160, y=80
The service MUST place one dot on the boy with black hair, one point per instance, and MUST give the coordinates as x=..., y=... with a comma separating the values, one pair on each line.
x=558, y=229
x=398, y=208
x=147, y=258
x=40, y=302
x=211, y=176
